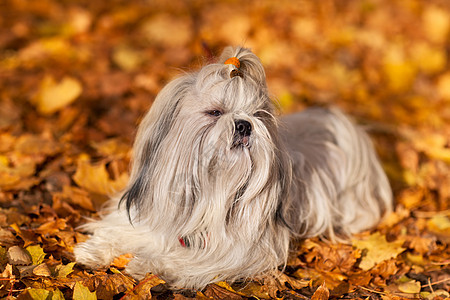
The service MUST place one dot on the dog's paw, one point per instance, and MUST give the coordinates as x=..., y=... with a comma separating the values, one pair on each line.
x=88, y=255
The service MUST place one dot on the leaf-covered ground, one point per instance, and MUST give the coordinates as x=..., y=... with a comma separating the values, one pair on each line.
x=77, y=76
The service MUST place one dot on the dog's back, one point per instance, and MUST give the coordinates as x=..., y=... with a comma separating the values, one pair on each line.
x=339, y=186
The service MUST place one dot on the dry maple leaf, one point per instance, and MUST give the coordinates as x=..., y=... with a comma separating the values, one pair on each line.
x=96, y=179
x=378, y=249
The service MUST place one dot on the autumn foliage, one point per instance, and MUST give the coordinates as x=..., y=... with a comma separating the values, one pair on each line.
x=77, y=76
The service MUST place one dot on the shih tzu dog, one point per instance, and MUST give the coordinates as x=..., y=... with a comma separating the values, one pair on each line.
x=219, y=186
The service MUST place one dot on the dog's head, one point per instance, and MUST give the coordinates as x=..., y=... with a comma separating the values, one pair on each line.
x=208, y=147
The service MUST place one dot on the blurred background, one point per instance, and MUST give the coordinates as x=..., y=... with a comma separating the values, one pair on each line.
x=76, y=77
x=78, y=73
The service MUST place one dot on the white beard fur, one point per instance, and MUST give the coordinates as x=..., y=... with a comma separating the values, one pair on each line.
x=236, y=207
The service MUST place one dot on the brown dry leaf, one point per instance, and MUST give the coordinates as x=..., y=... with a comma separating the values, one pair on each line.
x=42, y=270
x=18, y=256
x=122, y=261
x=216, y=292
x=143, y=288
x=329, y=257
x=96, y=179
x=378, y=250
x=28, y=236
x=422, y=245
x=253, y=289
x=52, y=226
x=6, y=237
x=112, y=148
x=331, y=279
x=322, y=293
x=76, y=196
x=385, y=269
x=16, y=177
x=37, y=145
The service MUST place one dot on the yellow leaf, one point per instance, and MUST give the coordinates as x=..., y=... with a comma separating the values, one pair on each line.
x=226, y=286
x=378, y=250
x=165, y=30
x=95, y=178
x=439, y=224
x=436, y=23
x=63, y=270
x=399, y=72
x=37, y=254
x=112, y=147
x=286, y=101
x=255, y=290
x=127, y=58
x=443, y=86
x=410, y=287
x=57, y=295
x=38, y=294
x=54, y=96
x=80, y=292
x=428, y=59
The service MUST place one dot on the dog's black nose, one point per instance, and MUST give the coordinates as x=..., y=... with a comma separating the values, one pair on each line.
x=243, y=128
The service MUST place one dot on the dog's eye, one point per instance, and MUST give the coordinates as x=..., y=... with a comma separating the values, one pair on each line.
x=214, y=113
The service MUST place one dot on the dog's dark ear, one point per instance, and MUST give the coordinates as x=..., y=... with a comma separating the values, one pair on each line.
x=153, y=130
x=250, y=65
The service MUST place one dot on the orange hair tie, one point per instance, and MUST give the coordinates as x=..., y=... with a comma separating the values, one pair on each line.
x=233, y=61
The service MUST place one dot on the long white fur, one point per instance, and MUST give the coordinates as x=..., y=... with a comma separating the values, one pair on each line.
x=237, y=207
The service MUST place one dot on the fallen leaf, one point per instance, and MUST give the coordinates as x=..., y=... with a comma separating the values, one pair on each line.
x=96, y=179
x=39, y=294
x=36, y=253
x=127, y=58
x=82, y=293
x=52, y=227
x=216, y=292
x=121, y=261
x=253, y=289
x=378, y=250
x=18, y=256
x=410, y=286
x=42, y=270
x=54, y=96
x=6, y=237
x=145, y=285
x=162, y=29
x=322, y=293
x=436, y=23
x=61, y=271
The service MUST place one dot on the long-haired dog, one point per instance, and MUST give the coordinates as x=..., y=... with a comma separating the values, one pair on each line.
x=219, y=186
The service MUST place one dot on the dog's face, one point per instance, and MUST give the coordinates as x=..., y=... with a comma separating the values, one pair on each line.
x=207, y=148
